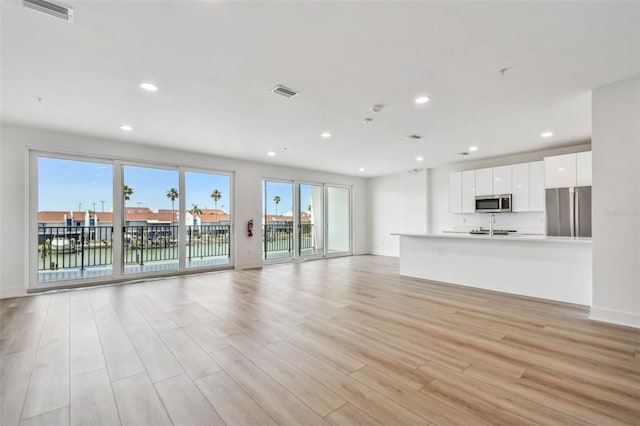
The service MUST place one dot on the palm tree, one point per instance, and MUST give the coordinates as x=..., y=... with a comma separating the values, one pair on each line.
x=172, y=194
x=127, y=191
x=216, y=195
x=276, y=200
x=195, y=209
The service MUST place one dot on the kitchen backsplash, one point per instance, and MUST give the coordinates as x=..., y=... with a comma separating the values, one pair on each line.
x=525, y=223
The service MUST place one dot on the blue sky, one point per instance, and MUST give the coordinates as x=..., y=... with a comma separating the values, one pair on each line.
x=77, y=185
x=65, y=185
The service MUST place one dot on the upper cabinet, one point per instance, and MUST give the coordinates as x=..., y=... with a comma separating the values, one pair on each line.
x=528, y=187
x=502, y=180
x=484, y=181
x=564, y=171
x=536, y=186
x=583, y=168
x=526, y=183
x=455, y=192
x=469, y=191
x=560, y=171
x=520, y=184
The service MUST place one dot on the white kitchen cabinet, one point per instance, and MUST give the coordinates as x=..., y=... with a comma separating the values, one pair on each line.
x=469, y=191
x=455, y=192
x=583, y=168
x=520, y=185
x=560, y=171
x=536, y=186
x=484, y=181
x=502, y=180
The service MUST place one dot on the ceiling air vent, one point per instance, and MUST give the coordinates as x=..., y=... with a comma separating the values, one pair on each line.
x=56, y=10
x=463, y=153
x=284, y=91
x=414, y=137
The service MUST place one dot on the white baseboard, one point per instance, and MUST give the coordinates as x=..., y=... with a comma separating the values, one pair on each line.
x=249, y=265
x=385, y=253
x=628, y=319
x=10, y=293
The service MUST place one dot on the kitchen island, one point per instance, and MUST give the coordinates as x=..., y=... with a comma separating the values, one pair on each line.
x=554, y=268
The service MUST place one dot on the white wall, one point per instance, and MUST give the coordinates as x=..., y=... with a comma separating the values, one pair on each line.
x=439, y=217
x=396, y=203
x=616, y=203
x=15, y=143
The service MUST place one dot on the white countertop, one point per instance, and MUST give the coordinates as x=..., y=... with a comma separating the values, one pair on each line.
x=510, y=237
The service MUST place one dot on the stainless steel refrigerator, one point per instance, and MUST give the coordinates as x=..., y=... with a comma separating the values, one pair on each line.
x=569, y=211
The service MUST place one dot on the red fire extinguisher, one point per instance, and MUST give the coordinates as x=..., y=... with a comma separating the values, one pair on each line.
x=250, y=228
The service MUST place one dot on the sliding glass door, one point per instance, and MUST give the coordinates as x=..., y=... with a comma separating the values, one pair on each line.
x=338, y=220
x=74, y=220
x=207, y=219
x=277, y=221
x=97, y=220
x=310, y=220
x=150, y=231
x=320, y=227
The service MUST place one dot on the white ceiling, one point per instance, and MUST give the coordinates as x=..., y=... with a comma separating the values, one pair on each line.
x=216, y=62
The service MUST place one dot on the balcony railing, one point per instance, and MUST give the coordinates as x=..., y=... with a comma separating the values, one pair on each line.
x=208, y=241
x=61, y=247
x=81, y=247
x=277, y=238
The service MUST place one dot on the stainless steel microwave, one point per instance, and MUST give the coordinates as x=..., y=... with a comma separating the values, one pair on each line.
x=493, y=203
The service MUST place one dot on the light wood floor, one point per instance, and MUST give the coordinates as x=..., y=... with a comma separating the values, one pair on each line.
x=340, y=341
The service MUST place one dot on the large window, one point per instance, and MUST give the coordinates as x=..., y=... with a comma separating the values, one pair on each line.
x=321, y=225
x=75, y=219
x=98, y=220
x=277, y=222
x=208, y=219
x=338, y=220
x=311, y=220
x=150, y=231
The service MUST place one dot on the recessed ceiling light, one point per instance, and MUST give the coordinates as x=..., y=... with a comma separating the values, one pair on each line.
x=546, y=134
x=473, y=148
x=361, y=169
x=420, y=158
x=271, y=154
x=126, y=128
x=561, y=169
x=325, y=134
x=422, y=99
x=149, y=87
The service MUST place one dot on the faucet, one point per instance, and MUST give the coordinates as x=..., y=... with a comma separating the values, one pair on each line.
x=492, y=220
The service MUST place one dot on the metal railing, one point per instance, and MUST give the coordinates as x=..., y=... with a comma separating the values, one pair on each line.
x=208, y=241
x=61, y=247
x=79, y=247
x=149, y=243
x=278, y=237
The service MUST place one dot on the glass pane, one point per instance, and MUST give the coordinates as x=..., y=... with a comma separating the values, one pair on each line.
x=277, y=222
x=75, y=219
x=338, y=220
x=207, y=219
x=310, y=234
x=150, y=232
